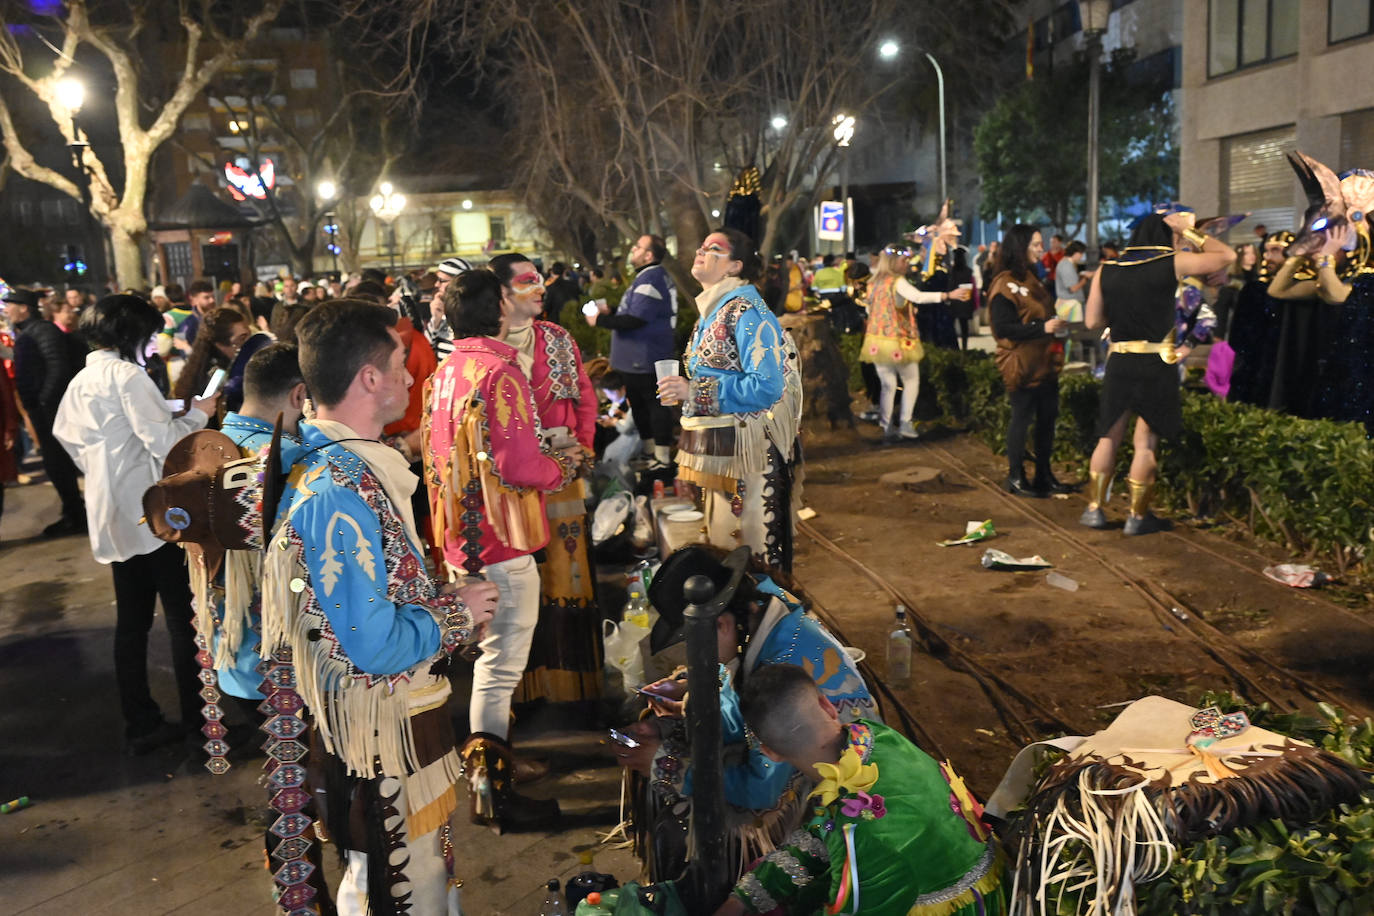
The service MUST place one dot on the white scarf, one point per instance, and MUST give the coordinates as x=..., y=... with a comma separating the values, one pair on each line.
x=522, y=339
x=389, y=465
x=709, y=298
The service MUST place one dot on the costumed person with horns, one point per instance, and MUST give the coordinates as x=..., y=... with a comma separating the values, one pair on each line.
x=566, y=656
x=487, y=470
x=764, y=624
x=891, y=832
x=741, y=405
x=369, y=632
x=1135, y=296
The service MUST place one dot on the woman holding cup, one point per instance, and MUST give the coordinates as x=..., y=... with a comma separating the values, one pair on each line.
x=741, y=404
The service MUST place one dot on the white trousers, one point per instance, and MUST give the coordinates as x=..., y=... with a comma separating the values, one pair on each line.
x=430, y=892
x=506, y=647
x=910, y=374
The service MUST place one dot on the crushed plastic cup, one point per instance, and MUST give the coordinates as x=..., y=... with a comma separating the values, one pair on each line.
x=1061, y=581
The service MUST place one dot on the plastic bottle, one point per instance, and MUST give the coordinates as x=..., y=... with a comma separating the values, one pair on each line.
x=599, y=903
x=553, y=901
x=899, y=650
x=637, y=609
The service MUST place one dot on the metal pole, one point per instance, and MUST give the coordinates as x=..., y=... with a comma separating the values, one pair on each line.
x=940, y=84
x=703, y=713
x=1094, y=115
x=844, y=194
x=334, y=241
x=391, y=231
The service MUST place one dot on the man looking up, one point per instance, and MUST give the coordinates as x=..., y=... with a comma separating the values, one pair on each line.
x=345, y=589
x=641, y=334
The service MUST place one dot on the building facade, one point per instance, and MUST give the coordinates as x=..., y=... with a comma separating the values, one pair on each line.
x=1262, y=78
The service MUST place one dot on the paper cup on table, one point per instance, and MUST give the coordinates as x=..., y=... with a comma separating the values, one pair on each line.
x=667, y=368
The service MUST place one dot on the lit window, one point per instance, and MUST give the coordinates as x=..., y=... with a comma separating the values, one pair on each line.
x=303, y=79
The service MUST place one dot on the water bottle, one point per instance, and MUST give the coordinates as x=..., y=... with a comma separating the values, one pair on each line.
x=637, y=610
x=553, y=901
x=899, y=650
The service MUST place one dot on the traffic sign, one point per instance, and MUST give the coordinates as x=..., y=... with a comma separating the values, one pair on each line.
x=831, y=228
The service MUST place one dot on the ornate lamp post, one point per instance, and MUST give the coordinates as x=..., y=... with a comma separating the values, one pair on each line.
x=1093, y=14
x=387, y=205
x=326, y=191
x=844, y=133
x=71, y=93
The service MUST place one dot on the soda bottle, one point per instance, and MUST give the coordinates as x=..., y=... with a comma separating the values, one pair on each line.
x=899, y=650
x=553, y=901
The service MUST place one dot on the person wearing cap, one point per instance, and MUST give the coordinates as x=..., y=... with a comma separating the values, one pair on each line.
x=765, y=623
x=438, y=331
x=44, y=362
x=118, y=428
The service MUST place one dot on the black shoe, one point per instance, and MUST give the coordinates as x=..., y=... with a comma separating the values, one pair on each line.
x=64, y=527
x=1020, y=487
x=165, y=733
x=1048, y=483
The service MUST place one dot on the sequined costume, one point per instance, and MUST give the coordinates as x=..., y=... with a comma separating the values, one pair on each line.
x=740, y=421
x=891, y=833
x=764, y=795
x=345, y=591
x=565, y=657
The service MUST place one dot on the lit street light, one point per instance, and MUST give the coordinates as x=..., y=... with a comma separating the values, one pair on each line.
x=71, y=93
x=387, y=206
x=326, y=191
x=844, y=133
x=779, y=122
x=888, y=49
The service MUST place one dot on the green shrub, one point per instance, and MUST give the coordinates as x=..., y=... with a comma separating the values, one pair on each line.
x=1301, y=483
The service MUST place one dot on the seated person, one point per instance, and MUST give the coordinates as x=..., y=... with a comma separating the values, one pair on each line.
x=624, y=444
x=893, y=833
x=764, y=624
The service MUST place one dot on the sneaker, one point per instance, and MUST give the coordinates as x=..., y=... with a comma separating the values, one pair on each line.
x=871, y=415
x=907, y=431
x=1093, y=518
x=656, y=467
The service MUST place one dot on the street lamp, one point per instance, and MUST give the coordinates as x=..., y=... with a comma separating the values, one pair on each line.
x=888, y=49
x=71, y=95
x=387, y=205
x=1093, y=14
x=844, y=134
x=326, y=191
x=779, y=122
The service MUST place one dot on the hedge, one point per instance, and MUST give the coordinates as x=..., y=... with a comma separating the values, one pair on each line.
x=1305, y=484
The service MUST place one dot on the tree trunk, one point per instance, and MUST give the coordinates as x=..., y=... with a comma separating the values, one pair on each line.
x=128, y=256
x=825, y=377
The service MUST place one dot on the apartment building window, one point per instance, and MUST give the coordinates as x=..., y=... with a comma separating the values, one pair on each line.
x=303, y=79
x=199, y=121
x=1349, y=19
x=1244, y=33
x=1256, y=177
x=1357, y=140
x=497, y=230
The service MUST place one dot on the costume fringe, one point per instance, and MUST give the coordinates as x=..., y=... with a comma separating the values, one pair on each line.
x=1094, y=830
x=204, y=601
x=242, y=571
x=985, y=894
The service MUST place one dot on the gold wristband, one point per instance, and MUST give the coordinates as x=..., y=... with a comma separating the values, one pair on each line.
x=1194, y=238
x=1325, y=260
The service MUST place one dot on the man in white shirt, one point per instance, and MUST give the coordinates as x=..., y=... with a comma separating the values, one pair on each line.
x=118, y=429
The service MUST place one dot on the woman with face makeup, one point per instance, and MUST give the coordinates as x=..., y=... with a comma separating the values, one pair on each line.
x=741, y=404
x=565, y=659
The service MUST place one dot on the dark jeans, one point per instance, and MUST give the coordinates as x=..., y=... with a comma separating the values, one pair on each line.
x=61, y=470
x=652, y=419
x=138, y=583
x=1042, y=402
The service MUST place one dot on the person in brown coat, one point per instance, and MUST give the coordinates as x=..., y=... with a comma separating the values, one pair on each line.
x=1029, y=357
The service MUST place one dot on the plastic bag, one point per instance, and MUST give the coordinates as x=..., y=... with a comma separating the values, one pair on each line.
x=623, y=643
x=611, y=517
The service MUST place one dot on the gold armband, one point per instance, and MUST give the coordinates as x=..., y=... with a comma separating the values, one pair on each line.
x=1194, y=238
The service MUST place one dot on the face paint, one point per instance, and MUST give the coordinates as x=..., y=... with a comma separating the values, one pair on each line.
x=526, y=283
x=713, y=250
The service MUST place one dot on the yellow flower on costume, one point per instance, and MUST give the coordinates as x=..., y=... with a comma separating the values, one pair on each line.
x=850, y=774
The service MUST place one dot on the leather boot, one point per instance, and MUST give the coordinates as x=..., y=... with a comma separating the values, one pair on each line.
x=489, y=768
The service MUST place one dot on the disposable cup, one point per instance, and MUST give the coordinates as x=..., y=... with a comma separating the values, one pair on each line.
x=666, y=368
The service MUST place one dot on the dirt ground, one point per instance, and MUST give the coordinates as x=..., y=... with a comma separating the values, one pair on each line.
x=1076, y=653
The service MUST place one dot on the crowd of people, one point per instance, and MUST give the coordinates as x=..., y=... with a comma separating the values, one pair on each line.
x=337, y=488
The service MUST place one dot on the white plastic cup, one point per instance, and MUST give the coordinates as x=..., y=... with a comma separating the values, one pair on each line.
x=590, y=309
x=1061, y=581
x=667, y=368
